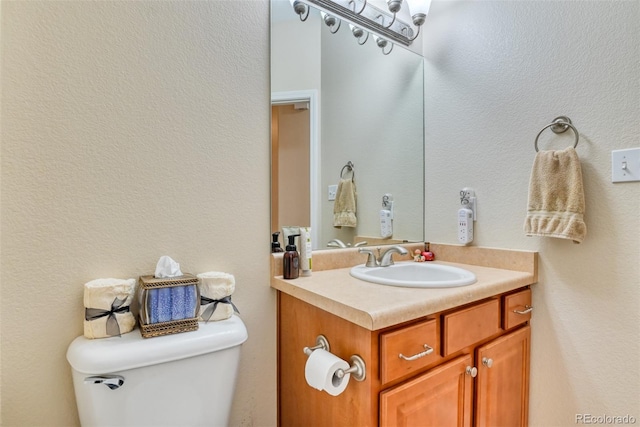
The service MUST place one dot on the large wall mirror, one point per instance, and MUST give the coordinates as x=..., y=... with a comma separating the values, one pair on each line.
x=335, y=103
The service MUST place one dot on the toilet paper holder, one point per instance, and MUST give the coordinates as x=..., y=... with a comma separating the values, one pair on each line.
x=357, y=367
x=321, y=343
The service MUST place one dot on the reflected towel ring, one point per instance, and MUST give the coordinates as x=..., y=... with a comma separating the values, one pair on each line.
x=349, y=167
x=559, y=125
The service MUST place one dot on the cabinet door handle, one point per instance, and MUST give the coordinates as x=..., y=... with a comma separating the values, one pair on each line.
x=487, y=362
x=527, y=309
x=428, y=350
x=472, y=370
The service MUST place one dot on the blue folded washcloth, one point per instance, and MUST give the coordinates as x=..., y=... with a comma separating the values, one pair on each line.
x=178, y=302
x=190, y=302
x=164, y=304
x=152, y=306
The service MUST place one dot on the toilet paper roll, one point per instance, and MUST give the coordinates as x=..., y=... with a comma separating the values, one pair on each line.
x=320, y=372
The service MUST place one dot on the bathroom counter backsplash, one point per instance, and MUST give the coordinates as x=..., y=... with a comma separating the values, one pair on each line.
x=372, y=306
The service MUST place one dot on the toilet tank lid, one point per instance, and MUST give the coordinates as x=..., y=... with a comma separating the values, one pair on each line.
x=130, y=351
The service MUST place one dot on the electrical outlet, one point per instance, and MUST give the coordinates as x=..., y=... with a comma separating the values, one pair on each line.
x=465, y=226
x=333, y=189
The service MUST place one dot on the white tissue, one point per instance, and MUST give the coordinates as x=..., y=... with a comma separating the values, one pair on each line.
x=167, y=267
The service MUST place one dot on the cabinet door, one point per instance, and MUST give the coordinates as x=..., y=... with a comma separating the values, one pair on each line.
x=502, y=385
x=439, y=397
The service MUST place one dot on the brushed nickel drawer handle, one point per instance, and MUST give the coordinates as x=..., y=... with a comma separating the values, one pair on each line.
x=428, y=350
x=527, y=309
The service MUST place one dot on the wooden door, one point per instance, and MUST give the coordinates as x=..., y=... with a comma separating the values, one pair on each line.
x=439, y=397
x=290, y=167
x=502, y=385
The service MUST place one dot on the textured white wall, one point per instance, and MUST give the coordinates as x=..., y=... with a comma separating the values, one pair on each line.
x=130, y=130
x=496, y=73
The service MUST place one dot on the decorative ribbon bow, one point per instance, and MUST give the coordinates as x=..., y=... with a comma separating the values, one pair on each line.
x=113, y=328
x=206, y=315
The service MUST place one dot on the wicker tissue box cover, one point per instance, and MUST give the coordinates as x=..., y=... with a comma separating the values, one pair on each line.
x=168, y=305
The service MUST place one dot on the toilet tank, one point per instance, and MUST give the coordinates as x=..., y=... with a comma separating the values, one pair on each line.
x=185, y=379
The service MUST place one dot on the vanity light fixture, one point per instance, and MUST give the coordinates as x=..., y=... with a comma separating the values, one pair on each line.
x=382, y=44
x=364, y=4
x=363, y=17
x=394, y=7
x=418, y=9
x=359, y=33
x=332, y=22
x=300, y=8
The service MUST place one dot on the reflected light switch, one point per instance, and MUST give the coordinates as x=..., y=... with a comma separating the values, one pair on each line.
x=625, y=165
x=333, y=189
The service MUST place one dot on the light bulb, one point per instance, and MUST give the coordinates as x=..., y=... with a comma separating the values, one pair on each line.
x=418, y=9
x=328, y=19
x=382, y=43
x=300, y=8
x=357, y=31
x=332, y=22
x=394, y=5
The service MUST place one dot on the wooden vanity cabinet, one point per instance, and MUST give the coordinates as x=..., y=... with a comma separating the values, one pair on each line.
x=299, y=404
x=443, y=396
x=476, y=375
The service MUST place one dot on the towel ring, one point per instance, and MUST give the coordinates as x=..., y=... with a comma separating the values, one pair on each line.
x=559, y=125
x=349, y=167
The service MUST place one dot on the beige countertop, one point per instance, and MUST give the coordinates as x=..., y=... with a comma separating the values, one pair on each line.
x=374, y=306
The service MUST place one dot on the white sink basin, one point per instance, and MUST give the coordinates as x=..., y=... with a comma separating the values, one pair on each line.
x=415, y=275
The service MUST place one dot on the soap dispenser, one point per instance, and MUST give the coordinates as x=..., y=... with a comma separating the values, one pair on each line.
x=275, y=244
x=291, y=259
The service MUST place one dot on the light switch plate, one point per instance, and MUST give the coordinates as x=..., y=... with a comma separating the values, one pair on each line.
x=625, y=165
x=333, y=189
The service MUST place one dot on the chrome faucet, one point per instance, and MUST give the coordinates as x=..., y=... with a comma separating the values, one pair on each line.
x=385, y=259
x=371, y=259
x=336, y=243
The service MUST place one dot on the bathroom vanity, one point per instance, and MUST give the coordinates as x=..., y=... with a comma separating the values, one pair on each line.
x=445, y=356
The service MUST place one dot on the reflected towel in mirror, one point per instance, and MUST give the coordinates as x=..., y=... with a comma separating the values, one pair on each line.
x=344, y=208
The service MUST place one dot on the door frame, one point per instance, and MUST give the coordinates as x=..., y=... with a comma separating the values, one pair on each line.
x=310, y=96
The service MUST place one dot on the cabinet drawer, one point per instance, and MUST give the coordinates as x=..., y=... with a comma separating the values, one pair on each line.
x=516, y=309
x=468, y=326
x=410, y=343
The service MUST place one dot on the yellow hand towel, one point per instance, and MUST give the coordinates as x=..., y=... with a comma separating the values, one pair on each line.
x=556, y=197
x=344, y=208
